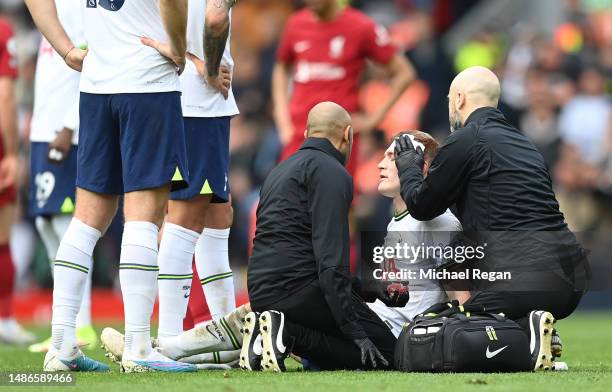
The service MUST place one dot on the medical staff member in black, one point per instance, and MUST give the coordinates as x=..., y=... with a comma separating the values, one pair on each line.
x=502, y=193
x=298, y=275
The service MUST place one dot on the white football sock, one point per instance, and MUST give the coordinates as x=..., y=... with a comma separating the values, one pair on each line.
x=72, y=264
x=174, y=279
x=84, y=315
x=212, y=263
x=138, y=277
x=50, y=231
x=58, y=226
x=223, y=334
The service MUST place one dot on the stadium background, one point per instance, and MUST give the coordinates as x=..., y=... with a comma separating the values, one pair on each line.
x=554, y=58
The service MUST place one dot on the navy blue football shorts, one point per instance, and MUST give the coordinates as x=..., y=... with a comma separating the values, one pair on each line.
x=131, y=142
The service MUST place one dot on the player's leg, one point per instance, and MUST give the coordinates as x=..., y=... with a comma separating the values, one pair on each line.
x=305, y=326
x=211, y=254
x=221, y=335
x=144, y=211
x=212, y=260
x=184, y=224
x=10, y=331
x=98, y=184
x=73, y=262
x=53, y=191
x=86, y=334
x=153, y=156
x=182, y=228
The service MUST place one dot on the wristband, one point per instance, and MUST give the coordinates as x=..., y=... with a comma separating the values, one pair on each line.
x=68, y=52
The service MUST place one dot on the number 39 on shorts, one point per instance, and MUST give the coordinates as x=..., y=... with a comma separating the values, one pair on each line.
x=111, y=5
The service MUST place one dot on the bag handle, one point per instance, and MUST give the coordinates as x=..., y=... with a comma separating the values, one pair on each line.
x=452, y=309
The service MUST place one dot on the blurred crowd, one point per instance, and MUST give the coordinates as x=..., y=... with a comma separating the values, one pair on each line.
x=556, y=88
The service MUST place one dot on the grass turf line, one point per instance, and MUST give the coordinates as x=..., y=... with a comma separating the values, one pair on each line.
x=587, y=339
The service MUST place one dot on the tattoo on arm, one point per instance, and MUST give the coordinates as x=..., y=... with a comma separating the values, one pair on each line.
x=215, y=39
x=214, y=46
x=224, y=3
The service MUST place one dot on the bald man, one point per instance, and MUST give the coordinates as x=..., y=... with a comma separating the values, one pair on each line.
x=501, y=190
x=298, y=276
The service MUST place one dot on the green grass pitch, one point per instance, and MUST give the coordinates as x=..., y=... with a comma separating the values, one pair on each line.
x=587, y=339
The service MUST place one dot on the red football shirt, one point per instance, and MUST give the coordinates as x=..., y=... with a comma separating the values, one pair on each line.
x=8, y=63
x=328, y=58
x=8, y=68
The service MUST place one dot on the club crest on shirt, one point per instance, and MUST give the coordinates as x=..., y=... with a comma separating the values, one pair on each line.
x=111, y=5
x=336, y=47
x=301, y=46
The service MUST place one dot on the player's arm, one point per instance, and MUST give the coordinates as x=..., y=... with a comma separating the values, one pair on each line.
x=281, y=77
x=60, y=147
x=45, y=17
x=216, y=31
x=174, y=17
x=377, y=47
x=401, y=73
x=329, y=197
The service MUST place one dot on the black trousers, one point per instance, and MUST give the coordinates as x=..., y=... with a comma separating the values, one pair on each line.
x=317, y=338
x=517, y=305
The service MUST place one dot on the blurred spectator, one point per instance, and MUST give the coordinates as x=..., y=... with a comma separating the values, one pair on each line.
x=539, y=120
x=584, y=121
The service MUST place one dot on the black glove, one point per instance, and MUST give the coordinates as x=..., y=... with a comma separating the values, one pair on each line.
x=369, y=350
x=394, y=295
x=406, y=155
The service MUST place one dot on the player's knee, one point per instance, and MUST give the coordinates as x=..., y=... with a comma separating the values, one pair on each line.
x=146, y=205
x=190, y=214
x=195, y=222
x=95, y=210
x=220, y=216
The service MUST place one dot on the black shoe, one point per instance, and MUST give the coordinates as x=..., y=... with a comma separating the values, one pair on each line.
x=541, y=324
x=556, y=346
x=272, y=326
x=250, y=354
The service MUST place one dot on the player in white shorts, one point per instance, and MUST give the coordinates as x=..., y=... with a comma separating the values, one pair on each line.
x=54, y=137
x=403, y=228
x=131, y=143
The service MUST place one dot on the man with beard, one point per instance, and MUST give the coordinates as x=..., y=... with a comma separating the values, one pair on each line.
x=502, y=191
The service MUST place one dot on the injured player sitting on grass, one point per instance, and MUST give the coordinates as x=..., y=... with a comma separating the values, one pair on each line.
x=404, y=229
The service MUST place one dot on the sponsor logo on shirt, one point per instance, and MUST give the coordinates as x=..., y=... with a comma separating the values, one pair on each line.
x=112, y=5
x=311, y=71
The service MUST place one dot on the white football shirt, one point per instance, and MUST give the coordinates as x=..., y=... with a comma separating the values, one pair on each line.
x=117, y=61
x=56, y=86
x=198, y=99
x=404, y=228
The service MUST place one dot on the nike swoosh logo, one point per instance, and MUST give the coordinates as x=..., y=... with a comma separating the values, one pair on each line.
x=279, y=337
x=257, y=346
x=491, y=354
x=212, y=333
